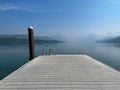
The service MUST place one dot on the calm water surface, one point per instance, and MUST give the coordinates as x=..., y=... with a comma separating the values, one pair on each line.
x=14, y=56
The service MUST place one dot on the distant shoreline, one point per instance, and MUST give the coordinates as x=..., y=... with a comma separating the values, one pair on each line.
x=23, y=39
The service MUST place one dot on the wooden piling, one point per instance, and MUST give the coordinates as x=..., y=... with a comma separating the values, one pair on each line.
x=31, y=43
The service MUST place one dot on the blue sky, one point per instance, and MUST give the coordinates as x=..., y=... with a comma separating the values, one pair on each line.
x=70, y=18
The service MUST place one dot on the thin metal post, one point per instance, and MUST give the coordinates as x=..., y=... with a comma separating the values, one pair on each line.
x=31, y=42
x=50, y=51
x=43, y=52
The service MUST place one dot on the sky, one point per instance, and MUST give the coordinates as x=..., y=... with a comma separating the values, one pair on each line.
x=70, y=18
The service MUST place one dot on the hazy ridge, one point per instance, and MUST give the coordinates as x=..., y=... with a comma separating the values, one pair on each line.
x=111, y=40
x=23, y=39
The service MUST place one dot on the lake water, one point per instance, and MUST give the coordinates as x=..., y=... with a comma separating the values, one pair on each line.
x=14, y=56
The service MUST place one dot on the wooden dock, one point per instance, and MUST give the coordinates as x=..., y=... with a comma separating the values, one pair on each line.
x=63, y=72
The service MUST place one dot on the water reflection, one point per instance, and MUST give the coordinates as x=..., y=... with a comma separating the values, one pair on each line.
x=13, y=56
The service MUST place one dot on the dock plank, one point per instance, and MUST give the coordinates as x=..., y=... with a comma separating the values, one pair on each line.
x=63, y=72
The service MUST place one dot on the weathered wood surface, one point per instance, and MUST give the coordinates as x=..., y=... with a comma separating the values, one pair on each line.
x=63, y=72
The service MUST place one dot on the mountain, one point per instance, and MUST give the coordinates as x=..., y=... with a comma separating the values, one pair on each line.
x=20, y=36
x=25, y=36
x=111, y=40
x=23, y=39
x=61, y=37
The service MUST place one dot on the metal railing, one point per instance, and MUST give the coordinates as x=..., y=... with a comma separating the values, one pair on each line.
x=43, y=52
